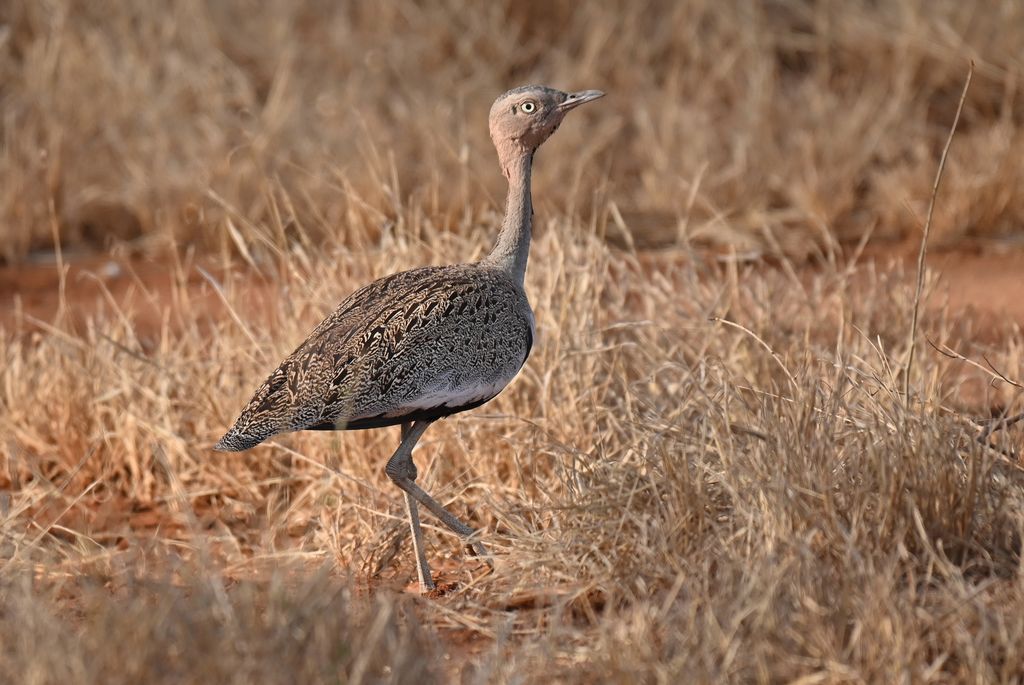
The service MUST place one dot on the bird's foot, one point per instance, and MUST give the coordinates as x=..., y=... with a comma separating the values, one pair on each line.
x=477, y=549
x=440, y=590
x=431, y=589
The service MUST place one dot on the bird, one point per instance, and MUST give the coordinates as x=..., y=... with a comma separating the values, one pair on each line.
x=420, y=345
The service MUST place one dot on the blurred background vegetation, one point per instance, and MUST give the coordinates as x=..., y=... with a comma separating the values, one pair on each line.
x=782, y=125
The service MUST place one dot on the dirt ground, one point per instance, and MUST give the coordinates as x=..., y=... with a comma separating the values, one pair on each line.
x=987, y=285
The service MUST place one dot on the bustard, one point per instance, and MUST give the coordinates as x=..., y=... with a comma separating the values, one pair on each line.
x=420, y=345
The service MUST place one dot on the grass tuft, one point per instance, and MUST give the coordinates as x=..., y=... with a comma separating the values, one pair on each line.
x=706, y=472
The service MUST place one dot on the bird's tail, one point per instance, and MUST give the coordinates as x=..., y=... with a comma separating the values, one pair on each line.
x=233, y=441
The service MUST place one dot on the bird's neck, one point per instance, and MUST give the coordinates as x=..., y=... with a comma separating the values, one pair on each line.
x=512, y=248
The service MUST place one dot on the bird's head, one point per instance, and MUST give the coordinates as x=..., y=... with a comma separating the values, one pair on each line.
x=525, y=117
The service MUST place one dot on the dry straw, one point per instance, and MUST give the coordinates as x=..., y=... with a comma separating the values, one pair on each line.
x=922, y=253
x=669, y=500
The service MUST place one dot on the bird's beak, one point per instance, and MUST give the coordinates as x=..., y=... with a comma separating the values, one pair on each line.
x=576, y=99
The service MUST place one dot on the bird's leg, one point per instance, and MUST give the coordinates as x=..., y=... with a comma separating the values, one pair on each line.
x=402, y=471
x=422, y=568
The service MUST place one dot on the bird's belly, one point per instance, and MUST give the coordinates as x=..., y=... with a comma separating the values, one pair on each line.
x=456, y=394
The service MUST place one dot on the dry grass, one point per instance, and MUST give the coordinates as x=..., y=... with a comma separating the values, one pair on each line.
x=814, y=120
x=666, y=498
x=707, y=472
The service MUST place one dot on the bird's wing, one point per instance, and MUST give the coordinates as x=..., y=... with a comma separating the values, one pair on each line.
x=288, y=398
x=450, y=344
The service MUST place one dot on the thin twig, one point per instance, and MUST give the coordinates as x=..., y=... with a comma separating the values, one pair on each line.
x=227, y=303
x=766, y=346
x=1001, y=374
x=992, y=371
x=740, y=429
x=992, y=425
x=924, y=239
x=998, y=425
x=1009, y=454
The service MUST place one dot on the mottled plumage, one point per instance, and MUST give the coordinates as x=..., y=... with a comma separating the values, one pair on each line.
x=417, y=345
x=420, y=345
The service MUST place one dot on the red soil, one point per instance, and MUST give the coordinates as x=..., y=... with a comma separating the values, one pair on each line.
x=989, y=287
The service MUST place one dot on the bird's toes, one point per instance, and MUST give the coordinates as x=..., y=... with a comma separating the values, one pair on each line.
x=477, y=549
x=440, y=590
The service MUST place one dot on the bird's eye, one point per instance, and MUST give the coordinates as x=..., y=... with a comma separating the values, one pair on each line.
x=529, y=107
